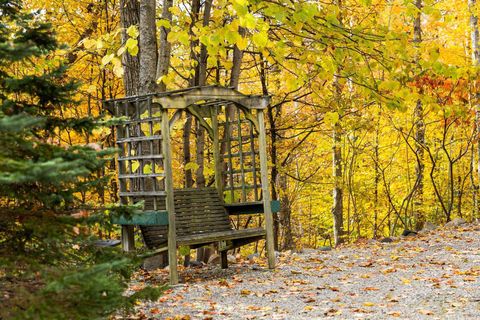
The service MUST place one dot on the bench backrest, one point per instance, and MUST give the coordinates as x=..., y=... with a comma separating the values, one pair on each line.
x=198, y=211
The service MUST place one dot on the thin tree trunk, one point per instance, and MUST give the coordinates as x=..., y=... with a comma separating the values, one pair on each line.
x=475, y=37
x=201, y=72
x=337, y=208
x=419, y=130
x=165, y=48
x=285, y=214
x=129, y=16
x=377, y=180
x=148, y=47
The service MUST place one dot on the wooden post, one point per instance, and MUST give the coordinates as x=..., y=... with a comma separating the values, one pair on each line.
x=216, y=152
x=170, y=204
x=262, y=146
x=128, y=239
x=224, y=259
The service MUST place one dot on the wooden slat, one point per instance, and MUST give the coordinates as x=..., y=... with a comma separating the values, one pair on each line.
x=200, y=218
x=142, y=157
x=139, y=139
x=251, y=207
x=222, y=235
x=134, y=175
x=141, y=194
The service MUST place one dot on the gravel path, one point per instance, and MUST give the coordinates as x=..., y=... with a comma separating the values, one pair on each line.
x=430, y=276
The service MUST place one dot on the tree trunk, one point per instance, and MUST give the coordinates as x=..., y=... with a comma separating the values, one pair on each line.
x=285, y=210
x=475, y=36
x=129, y=16
x=148, y=47
x=201, y=72
x=337, y=208
x=285, y=214
x=165, y=48
x=419, y=131
x=377, y=179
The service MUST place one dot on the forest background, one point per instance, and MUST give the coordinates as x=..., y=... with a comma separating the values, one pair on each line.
x=383, y=92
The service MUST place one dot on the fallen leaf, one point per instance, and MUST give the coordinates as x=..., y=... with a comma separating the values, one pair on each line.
x=332, y=312
x=426, y=312
x=366, y=264
x=370, y=289
x=245, y=292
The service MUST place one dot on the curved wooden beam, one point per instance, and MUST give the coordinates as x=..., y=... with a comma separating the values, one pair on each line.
x=182, y=100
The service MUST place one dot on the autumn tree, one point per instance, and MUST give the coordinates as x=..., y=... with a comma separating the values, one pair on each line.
x=50, y=268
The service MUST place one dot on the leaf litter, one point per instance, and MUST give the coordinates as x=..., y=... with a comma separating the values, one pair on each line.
x=435, y=275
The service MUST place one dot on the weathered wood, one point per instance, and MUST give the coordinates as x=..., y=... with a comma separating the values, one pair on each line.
x=251, y=207
x=262, y=145
x=216, y=152
x=195, y=217
x=128, y=239
x=224, y=259
x=170, y=204
x=207, y=238
x=183, y=99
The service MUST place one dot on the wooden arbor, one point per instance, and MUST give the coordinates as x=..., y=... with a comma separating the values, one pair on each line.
x=193, y=217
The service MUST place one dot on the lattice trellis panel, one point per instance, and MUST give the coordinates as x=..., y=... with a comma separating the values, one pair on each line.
x=140, y=160
x=240, y=159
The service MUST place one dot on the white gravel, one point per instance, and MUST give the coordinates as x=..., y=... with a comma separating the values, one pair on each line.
x=431, y=276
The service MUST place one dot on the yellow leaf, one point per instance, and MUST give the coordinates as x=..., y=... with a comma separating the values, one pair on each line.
x=245, y=292
x=135, y=165
x=118, y=71
x=121, y=50
x=331, y=118
x=260, y=39
x=89, y=43
x=132, y=31
x=163, y=23
x=131, y=43
x=106, y=59
x=99, y=44
x=92, y=88
x=191, y=166
x=368, y=304
x=133, y=51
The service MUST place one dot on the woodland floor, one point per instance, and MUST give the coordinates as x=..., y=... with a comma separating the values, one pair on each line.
x=434, y=275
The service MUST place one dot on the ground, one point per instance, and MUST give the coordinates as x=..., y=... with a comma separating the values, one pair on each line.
x=433, y=275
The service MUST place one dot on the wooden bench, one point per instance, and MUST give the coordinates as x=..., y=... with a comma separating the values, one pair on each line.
x=201, y=218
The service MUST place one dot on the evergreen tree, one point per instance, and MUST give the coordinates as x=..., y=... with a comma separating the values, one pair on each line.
x=47, y=270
